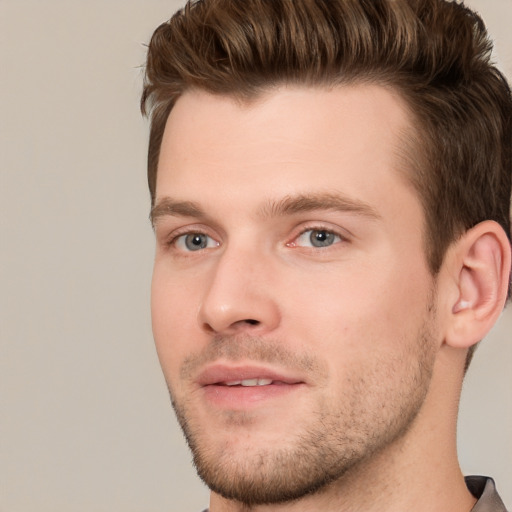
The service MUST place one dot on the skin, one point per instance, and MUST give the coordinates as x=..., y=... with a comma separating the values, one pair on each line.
x=358, y=326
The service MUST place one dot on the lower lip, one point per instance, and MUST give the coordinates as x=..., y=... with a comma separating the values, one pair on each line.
x=240, y=397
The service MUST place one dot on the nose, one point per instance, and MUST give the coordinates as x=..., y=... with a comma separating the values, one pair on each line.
x=240, y=296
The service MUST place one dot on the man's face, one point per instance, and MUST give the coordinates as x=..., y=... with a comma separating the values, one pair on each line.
x=293, y=309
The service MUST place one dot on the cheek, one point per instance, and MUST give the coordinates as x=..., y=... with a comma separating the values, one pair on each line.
x=362, y=308
x=173, y=317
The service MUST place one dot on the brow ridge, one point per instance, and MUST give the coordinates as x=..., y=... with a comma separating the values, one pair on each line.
x=288, y=205
x=168, y=206
x=318, y=201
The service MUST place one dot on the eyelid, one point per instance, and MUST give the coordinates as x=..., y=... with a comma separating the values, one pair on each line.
x=172, y=235
x=180, y=242
x=343, y=234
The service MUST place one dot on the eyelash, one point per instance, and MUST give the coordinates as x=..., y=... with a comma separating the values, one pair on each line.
x=318, y=228
x=172, y=242
x=173, y=239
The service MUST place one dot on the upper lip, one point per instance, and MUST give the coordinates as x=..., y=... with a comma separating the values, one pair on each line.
x=222, y=373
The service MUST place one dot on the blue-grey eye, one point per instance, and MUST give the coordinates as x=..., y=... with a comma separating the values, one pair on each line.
x=195, y=242
x=317, y=238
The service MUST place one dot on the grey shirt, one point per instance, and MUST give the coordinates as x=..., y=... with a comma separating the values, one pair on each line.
x=482, y=488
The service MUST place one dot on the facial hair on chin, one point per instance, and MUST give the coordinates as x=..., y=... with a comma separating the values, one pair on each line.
x=334, y=439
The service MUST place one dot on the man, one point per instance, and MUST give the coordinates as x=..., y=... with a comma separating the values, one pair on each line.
x=330, y=185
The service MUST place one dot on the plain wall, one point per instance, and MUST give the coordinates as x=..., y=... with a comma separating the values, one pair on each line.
x=86, y=421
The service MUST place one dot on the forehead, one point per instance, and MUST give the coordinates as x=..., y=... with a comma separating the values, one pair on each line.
x=291, y=140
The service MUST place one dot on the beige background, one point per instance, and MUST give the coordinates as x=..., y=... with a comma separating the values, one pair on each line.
x=86, y=422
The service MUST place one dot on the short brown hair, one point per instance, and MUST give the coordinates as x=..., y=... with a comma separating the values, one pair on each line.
x=435, y=53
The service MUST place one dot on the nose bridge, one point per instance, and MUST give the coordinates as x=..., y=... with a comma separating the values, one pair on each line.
x=240, y=294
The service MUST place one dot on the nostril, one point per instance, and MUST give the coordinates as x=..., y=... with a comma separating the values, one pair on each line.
x=208, y=328
x=250, y=321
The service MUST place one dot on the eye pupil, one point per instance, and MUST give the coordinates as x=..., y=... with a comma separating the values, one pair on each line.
x=321, y=238
x=196, y=241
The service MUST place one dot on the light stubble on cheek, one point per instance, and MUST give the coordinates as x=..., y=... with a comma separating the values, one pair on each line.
x=350, y=413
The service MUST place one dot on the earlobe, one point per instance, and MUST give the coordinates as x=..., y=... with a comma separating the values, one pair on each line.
x=481, y=266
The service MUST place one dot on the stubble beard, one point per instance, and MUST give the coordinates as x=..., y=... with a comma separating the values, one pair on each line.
x=376, y=409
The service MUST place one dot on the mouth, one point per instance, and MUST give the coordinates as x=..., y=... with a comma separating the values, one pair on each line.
x=240, y=387
x=245, y=376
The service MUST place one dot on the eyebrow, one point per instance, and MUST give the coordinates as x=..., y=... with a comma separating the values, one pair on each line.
x=168, y=206
x=320, y=201
x=288, y=205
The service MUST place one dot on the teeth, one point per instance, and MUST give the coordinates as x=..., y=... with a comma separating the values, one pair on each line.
x=250, y=382
x=264, y=382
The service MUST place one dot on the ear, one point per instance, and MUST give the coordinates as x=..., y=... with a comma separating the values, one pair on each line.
x=480, y=269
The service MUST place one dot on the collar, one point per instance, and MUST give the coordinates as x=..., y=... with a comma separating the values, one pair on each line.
x=484, y=489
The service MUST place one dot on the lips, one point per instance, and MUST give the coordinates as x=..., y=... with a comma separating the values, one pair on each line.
x=247, y=376
x=244, y=387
